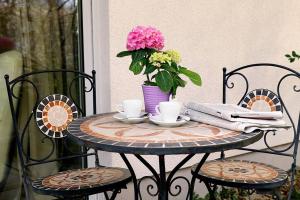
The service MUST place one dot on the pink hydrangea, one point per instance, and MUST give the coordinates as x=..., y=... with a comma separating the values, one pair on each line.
x=142, y=37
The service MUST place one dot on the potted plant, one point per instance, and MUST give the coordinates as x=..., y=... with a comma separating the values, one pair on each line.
x=161, y=68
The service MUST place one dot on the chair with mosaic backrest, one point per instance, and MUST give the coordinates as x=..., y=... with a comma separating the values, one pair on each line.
x=254, y=176
x=50, y=115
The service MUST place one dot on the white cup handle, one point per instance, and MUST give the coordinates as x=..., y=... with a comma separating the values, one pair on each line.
x=157, y=109
x=120, y=108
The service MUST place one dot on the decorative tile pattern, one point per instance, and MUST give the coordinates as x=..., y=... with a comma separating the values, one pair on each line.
x=262, y=100
x=54, y=113
x=239, y=171
x=109, y=129
x=81, y=179
x=107, y=133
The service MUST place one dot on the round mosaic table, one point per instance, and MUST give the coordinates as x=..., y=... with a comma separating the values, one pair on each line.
x=105, y=133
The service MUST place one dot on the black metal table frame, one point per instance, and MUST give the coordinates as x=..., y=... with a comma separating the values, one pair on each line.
x=161, y=180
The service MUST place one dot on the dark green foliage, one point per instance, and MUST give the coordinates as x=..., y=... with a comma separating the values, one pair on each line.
x=164, y=80
x=194, y=77
x=293, y=56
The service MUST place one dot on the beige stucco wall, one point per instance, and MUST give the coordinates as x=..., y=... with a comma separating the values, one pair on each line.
x=209, y=34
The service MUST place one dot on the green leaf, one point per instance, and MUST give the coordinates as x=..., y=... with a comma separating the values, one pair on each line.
x=136, y=67
x=167, y=67
x=294, y=54
x=164, y=80
x=174, y=90
x=292, y=59
x=144, y=61
x=287, y=55
x=149, y=69
x=150, y=83
x=150, y=51
x=193, y=76
x=138, y=55
x=174, y=66
x=124, y=53
x=178, y=81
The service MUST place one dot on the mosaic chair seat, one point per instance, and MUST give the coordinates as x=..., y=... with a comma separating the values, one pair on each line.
x=242, y=174
x=249, y=175
x=76, y=182
x=48, y=120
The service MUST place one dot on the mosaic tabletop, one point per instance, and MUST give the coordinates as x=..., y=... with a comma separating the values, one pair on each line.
x=106, y=133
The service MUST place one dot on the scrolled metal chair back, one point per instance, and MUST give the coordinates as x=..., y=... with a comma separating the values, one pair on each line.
x=288, y=76
x=83, y=81
x=285, y=109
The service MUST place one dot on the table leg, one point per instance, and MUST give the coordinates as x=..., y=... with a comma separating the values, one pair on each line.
x=134, y=180
x=196, y=172
x=162, y=181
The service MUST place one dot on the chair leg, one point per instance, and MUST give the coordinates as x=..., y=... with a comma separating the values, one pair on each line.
x=192, y=187
x=26, y=185
x=114, y=194
x=106, y=195
x=292, y=182
x=211, y=191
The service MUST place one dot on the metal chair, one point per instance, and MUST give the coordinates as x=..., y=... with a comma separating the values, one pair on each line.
x=254, y=176
x=52, y=114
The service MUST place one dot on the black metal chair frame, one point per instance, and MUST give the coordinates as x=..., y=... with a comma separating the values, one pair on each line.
x=211, y=184
x=25, y=158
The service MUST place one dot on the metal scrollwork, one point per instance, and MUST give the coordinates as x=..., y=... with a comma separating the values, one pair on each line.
x=288, y=114
x=161, y=182
x=150, y=188
x=228, y=76
x=86, y=89
x=24, y=132
x=291, y=73
x=178, y=188
x=29, y=119
x=21, y=82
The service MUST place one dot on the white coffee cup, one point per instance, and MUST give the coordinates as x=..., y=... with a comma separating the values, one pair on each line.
x=168, y=110
x=130, y=108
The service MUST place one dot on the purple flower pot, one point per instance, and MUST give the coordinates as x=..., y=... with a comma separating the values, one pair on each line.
x=152, y=96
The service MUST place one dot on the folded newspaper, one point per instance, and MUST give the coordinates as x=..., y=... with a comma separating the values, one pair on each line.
x=234, y=117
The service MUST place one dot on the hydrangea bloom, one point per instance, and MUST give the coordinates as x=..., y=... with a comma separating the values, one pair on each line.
x=158, y=58
x=174, y=55
x=142, y=37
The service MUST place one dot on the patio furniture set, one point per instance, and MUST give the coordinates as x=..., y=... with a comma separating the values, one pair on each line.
x=102, y=132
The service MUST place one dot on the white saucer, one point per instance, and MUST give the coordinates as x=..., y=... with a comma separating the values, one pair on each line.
x=131, y=120
x=157, y=120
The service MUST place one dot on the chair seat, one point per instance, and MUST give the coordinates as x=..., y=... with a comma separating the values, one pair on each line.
x=82, y=181
x=242, y=174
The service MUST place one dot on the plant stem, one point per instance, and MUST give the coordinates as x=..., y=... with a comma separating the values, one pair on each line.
x=148, y=78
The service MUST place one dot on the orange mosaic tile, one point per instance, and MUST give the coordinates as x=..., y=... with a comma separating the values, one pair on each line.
x=53, y=116
x=262, y=95
x=81, y=178
x=240, y=171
